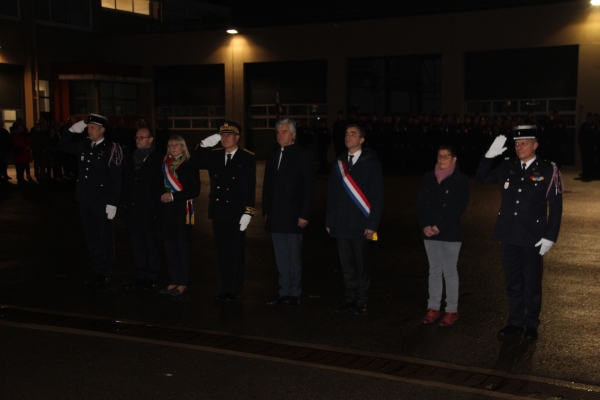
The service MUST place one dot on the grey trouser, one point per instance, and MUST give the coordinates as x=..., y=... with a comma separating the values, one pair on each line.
x=443, y=257
x=288, y=256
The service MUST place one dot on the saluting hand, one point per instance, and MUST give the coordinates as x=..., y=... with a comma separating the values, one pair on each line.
x=302, y=223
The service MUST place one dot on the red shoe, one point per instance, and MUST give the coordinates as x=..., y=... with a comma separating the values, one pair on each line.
x=431, y=316
x=449, y=319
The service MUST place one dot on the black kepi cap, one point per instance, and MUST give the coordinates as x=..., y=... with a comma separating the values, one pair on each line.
x=525, y=132
x=97, y=120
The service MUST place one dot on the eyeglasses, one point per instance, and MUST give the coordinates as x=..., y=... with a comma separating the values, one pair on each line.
x=444, y=156
x=141, y=137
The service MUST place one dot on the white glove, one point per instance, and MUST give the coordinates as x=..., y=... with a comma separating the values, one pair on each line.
x=244, y=221
x=546, y=245
x=110, y=211
x=78, y=127
x=211, y=141
x=497, y=147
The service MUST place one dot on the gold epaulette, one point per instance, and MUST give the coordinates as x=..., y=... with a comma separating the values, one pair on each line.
x=248, y=151
x=220, y=148
x=250, y=211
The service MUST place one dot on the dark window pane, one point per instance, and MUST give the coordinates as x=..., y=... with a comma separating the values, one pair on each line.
x=506, y=106
x=528, y=106
x=479, y=107
x=10, y=7
x=562, y=105
x=181, y=123
x=199, y=123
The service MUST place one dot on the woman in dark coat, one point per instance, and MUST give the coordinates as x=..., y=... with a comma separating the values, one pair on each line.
x=178, y=185
x=441, y=202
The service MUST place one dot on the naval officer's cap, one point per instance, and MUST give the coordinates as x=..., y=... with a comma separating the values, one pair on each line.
x=525, y=132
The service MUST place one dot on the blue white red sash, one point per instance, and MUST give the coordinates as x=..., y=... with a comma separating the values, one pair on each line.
x=173, y=183
x=353, y=190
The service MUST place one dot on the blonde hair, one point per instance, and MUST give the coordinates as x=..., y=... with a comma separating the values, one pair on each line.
x=184, y=148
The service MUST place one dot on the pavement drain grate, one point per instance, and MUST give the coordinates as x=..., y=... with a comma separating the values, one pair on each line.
x=381, y=365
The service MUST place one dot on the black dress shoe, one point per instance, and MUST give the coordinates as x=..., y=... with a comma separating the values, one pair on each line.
x=176, y=293
x=345, y=307
x=531, y=333
x=96, y=280
x=137, y=284
x=148, y=284
x=232, y=296
x=360, y=309
x=278, y=300
x=510, y=330
x=222, y=297
x=294, y=301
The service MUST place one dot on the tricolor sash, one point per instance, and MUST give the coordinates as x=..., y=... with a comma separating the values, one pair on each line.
x=353, y=190
x=173, y=183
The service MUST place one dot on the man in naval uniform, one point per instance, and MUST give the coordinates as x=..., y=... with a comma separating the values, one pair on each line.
x=527, y=224
x=98, y=190
x=231, y=203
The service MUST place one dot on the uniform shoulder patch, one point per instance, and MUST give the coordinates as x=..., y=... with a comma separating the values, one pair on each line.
x=248, y=151
x=220, y=148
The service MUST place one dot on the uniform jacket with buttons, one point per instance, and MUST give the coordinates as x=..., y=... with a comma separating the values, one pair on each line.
x=443, y=204
x=138, y=194
x=526, y=214
x=232, y=186
x=288, y=192
x=344, y=219
x=99, y=178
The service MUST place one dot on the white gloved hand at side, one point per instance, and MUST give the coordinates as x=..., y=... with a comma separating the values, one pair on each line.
x=546, y=245
x=211, y=141
x=78, y=127
x=111, y=211
x=244, y=221
x=497, y=147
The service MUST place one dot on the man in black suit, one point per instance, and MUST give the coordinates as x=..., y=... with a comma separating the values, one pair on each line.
x=527, y=224
x=288, y=195
x=138, y=206
x=232, y=173
x=354, y=209
x=98, y=190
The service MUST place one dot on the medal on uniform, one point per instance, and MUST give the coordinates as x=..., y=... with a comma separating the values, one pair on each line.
x=506, y=185
x=81, y=158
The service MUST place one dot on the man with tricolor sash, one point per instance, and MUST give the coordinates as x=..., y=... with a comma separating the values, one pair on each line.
x=354, y=207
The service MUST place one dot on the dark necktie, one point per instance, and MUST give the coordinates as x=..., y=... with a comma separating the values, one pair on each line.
x=524, y=166
x=93, y=145
x=350, y=157
x=228, y=159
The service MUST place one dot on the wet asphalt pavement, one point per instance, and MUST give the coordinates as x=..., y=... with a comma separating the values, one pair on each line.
x=43, y=259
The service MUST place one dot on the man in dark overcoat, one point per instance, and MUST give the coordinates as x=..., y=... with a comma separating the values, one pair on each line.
x=354, y=208
x=527, y=226
x=138, y=206
x=288, y=196
x=231, y=204
x=98, y=191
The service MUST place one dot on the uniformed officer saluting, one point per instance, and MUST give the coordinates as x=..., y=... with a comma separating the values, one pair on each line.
x=98, y=189
x=232, y=173
x=527, y=225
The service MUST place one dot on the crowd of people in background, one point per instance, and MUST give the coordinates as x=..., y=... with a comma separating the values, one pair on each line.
x=40, y=146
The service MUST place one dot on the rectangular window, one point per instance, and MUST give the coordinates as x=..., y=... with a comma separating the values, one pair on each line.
x=44, y=96
x=118, y=99
x=9, y=8
x=141, y=7
x=74, y=13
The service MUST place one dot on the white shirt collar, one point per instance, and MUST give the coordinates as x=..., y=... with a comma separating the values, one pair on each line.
x=232, y=153
x=356, y=155
x=528, y=163
x=98, y=142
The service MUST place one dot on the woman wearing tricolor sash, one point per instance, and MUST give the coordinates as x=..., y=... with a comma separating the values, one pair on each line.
x=178, y=186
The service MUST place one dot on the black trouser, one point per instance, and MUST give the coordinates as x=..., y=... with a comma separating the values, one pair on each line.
x=587, y=159
x=523, y=268
x=230, y=242
x=99, y=235
x=354, y=256
x=145, y=247
x=178, y=257
x=20, y=169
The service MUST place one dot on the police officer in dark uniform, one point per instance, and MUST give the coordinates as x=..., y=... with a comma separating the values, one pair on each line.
x=529, y=188
x=232, y=173
x=98, y=190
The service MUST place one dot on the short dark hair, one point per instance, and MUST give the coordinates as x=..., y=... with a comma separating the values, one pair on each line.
x=448, y=147
x=361, y=131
